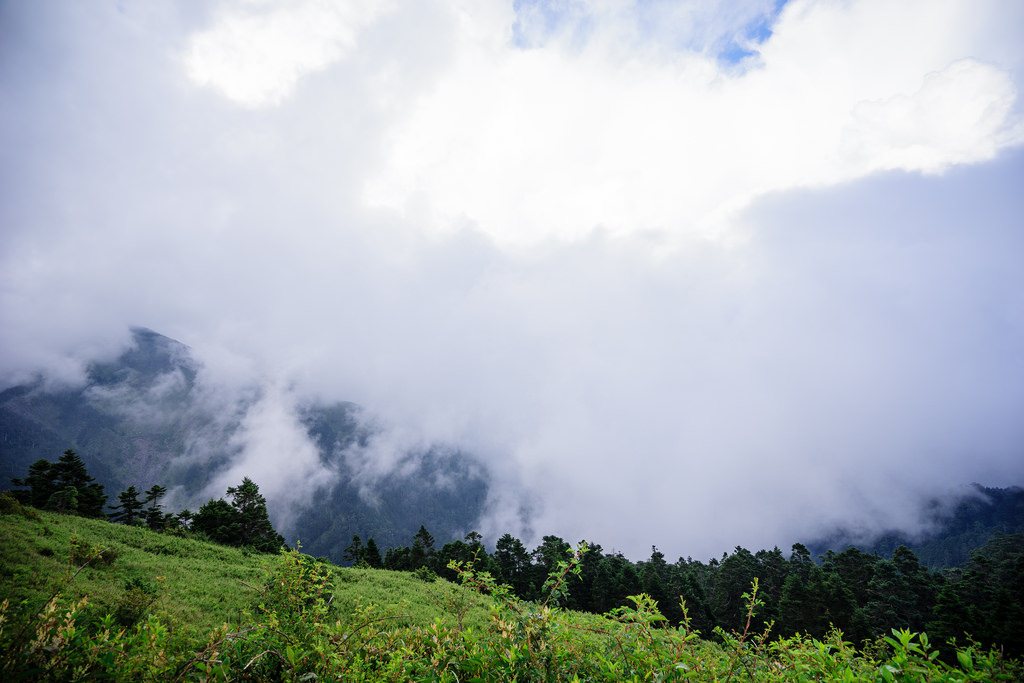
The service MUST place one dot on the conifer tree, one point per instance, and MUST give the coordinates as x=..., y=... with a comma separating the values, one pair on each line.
x=63, y=486
x=39, y=483
x=64, y=501
x=127, y=511
x=398, y=559
x=69, y=471
x=354, y=550
x=255, y=527
x=155, y=518
x=513, y=565
x=422, y=552
x=242, y=522
x=218, y=521
x=371, y=554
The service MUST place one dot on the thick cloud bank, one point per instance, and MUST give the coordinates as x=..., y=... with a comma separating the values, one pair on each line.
x=690, y=277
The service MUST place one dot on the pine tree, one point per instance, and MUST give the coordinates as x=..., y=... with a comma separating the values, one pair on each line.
x=398, y=559
x=422, y=552
x=255, y=527
x=653, y=575
x=371, y=555
x=64, y=501
x=63, y=486
x=155, y=518
x=242, y=522
x=39, y=483
x=219, y=522
x=128, y=508
x=354, y=551
x=513, y=562
x=69, y=471
x=475, y=551
x=732, y=580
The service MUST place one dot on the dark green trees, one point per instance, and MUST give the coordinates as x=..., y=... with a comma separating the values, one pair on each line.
x=256, y=529
x=39, y=482
x=242, y=522
x=371, y=555
x=219, y=522
x=422, y=552
x=131, y=510
x=129, y=506
x=155, y=518
x=804, y=605
x=513, y=565
x=986, y=598
x=731, y=580
x=63, y=486
x=354, y=551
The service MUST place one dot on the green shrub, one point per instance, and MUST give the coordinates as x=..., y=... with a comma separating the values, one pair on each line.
x=9, y=505
x=425, y=574
x=136, y=599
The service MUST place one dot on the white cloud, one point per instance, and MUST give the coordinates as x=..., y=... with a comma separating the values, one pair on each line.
x=959, y=115
x=256, y=53
x=275, y=451
x=552, y=143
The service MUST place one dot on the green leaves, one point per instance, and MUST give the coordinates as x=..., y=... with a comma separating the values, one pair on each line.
x=965, y=659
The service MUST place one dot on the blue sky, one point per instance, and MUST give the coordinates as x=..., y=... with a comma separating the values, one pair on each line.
x=639, y=279
x=727, y=31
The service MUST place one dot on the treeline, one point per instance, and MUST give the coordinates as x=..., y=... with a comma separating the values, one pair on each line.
x=863, y=595
x=67, y=488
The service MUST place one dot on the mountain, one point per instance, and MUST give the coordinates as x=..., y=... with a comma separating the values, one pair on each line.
x=150, y=416
x=955, y=533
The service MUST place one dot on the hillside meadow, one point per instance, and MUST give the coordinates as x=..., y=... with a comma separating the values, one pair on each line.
x=89, y=600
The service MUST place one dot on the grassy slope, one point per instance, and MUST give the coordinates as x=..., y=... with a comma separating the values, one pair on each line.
x=201, y=585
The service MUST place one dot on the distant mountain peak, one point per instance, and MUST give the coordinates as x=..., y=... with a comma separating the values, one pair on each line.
x=150, y=356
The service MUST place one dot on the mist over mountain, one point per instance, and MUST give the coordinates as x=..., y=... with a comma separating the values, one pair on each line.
x=329, y=470
x=952, y=530
x=149, y=416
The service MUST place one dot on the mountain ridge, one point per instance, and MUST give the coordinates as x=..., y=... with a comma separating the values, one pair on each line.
x=142, y=418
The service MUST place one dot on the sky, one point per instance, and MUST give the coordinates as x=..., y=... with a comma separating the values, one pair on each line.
x=679, y=273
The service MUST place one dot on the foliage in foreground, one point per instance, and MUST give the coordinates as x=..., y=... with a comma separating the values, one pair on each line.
x=292, y=630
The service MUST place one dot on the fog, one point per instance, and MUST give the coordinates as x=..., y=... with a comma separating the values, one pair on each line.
x=678, y=276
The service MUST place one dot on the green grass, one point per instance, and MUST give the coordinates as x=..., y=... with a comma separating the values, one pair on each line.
x=161, y=607
x=200, y=585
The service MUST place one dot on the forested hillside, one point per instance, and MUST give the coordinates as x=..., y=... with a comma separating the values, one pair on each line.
x=863, y=595
x=91, y=600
